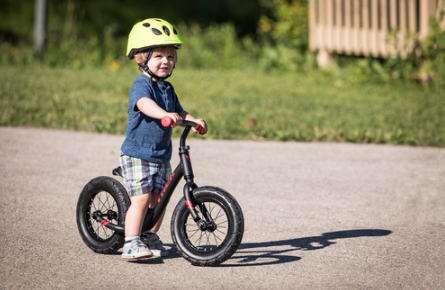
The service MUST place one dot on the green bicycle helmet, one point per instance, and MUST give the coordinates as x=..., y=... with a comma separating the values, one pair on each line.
x=150, y=33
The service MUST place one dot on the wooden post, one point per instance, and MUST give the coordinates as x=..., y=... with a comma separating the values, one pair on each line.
x=338, y=41
x=324, y=57
x=356, y=28
x=323, y=38
x=392, y=40
x=412, y=21
x=312, y=25
x=373, y=35
x=347, y=29
x=402, y=29
x=329, y=25
x=427, y=10
x=382, y=34
x=365, y=27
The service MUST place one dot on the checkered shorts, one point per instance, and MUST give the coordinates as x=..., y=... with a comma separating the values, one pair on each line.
x=143, y=177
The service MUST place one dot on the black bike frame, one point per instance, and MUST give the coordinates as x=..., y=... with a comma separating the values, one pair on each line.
x=184, y=169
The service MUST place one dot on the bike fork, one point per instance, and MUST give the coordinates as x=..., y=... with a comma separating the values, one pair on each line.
x=203, y=224
x=190, y=185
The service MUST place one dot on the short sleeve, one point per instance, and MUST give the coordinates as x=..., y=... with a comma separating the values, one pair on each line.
x=140, y=89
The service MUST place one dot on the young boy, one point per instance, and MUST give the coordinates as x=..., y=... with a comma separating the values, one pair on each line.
x=146, y=151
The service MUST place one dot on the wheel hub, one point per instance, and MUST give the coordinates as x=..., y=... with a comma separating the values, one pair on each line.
x=211, y=227
x=112, y=215
x=206, y=226
x=202, y=225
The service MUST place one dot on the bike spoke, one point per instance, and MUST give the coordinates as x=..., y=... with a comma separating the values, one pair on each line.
x=208, y=240
x=96, y=230
x=92, y=203
x=223, y=233
x=108, y=201
x=209, y=205
x=114, y=206
x=199, y=239
x=219, y=214
x=222, y=224
x=217, y=236
x=216, y=242
x=195, y=232
x=103, y=202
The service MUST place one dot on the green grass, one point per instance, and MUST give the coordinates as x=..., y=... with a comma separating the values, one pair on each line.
x=314, y=107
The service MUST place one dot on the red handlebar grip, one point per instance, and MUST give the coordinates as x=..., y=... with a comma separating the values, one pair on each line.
x=167, y=121
x=200, y=130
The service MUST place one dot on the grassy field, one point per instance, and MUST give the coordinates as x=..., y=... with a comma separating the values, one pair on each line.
x=237, y=104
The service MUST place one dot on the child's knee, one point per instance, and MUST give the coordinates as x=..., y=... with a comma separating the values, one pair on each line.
x=141, y=200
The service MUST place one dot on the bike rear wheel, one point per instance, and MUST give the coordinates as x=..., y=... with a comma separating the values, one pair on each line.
x=107, y=196
x=223, y=232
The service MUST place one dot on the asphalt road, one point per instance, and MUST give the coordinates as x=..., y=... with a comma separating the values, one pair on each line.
x=317, y=215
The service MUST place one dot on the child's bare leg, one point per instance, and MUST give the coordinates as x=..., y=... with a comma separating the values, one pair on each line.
x=135, y=214
x=153, y=202
x=152, y=240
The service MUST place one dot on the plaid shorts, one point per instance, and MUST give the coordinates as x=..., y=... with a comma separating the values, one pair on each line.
x=141, y=177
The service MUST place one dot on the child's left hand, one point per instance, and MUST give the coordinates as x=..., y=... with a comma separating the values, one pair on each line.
x=203, y=125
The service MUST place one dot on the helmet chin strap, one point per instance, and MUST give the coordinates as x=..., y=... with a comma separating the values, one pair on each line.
x=147, y=70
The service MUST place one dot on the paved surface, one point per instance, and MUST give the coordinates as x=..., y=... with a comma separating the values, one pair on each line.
x=317, y=215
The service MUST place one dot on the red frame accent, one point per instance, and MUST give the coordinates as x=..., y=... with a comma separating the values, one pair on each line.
x=189, y=204
x=165, y=187
x=104, y=223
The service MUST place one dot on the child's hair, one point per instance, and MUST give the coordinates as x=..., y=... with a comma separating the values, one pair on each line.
x=140, y=57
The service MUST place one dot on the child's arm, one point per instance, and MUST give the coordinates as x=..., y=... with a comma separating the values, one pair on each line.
x=186, y=116
x=151, y=109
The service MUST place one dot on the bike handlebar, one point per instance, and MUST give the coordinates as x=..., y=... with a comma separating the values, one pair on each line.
x=167, y=121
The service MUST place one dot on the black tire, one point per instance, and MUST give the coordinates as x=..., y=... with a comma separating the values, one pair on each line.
x=110, y=197
x=220, y=243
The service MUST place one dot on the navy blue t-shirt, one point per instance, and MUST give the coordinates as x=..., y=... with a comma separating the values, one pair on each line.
x=146, y=138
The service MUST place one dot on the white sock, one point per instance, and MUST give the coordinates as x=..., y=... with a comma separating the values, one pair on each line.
x=129, y=239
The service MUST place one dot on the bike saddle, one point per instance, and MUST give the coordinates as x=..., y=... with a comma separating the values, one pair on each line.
x=118, y=171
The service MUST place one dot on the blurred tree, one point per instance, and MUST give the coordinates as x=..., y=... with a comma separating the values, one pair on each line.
x=284, y=21
x=16, y=20
x=85, y=18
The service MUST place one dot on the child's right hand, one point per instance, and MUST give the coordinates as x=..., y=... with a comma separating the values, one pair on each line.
x=177, y=120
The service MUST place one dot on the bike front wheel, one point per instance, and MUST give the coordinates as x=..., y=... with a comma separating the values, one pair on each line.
x=222, y=235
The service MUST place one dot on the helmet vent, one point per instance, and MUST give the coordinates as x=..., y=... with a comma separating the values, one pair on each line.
x=166, y=30
x=146, y=24
x=174, y=31
x=158, y=20
x=156, y=31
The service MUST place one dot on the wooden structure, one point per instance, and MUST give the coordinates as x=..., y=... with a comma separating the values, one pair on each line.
x=363, y=27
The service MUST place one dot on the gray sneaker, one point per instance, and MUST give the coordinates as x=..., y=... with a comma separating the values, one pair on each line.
x=136, y=249
x=153, y=242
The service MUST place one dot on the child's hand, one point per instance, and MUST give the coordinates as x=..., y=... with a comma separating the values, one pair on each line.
x=177, y=120
x=203, y=125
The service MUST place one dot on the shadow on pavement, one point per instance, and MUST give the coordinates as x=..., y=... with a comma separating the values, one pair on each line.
x=248, y=257
x=271, y=257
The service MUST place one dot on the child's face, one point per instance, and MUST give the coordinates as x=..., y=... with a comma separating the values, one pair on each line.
x=161, y=63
